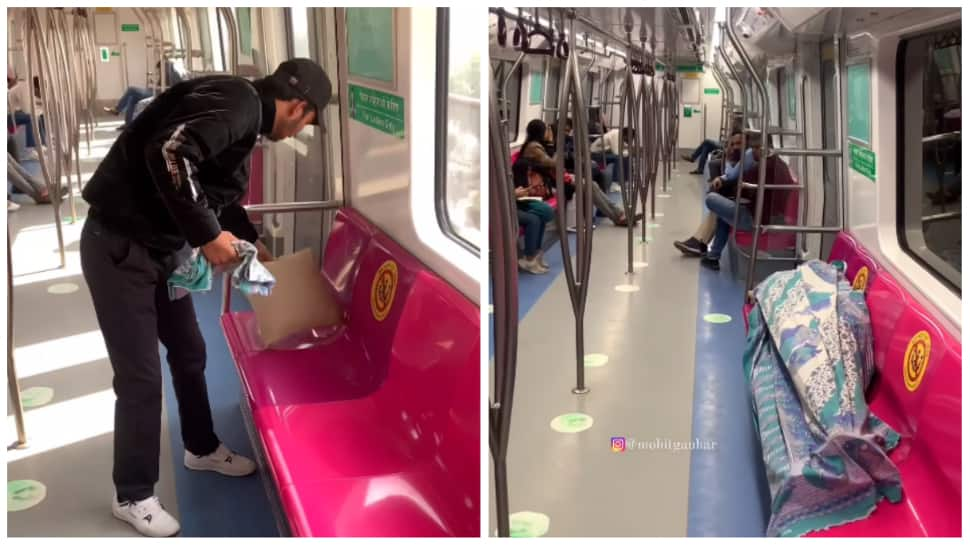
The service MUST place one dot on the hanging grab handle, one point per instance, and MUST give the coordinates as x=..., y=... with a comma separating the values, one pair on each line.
x=501, y=29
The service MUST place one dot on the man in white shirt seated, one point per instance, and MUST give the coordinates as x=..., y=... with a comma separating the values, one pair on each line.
x=606, y=149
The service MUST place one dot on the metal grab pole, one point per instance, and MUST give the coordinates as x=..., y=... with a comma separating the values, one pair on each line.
x=763, y=164
x=36, y=52
x=643, y=140
x=13, y=383
x=505, y=85
x=628, y=121
x=504, y=274
x=744, y=134
x=571, y=89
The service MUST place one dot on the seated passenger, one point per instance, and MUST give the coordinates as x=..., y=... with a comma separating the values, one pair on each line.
x=133, y=95
x=697, y=244
x=534, y=150
x=606, y=149
x=700, y=154
x=20, y=179
x=18, y=97
x=724, y=207
x=533, y=216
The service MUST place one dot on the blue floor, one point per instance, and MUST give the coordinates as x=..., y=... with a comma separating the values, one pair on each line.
x=728, y=489
x=212, y=505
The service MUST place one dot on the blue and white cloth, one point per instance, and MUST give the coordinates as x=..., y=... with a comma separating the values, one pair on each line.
x=195, y=273
x=808, y=360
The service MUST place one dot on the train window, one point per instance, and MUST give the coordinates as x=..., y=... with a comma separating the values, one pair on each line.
x=299, y=32
x=929, y=185
x=457, y=193
x=205, y=37
x=508, y=105
x=244, y=23
x=552, y=88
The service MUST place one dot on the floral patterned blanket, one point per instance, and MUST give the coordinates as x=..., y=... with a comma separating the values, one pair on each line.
x=808, y=361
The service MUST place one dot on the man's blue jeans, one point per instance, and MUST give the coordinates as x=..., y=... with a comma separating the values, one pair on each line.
x=129, y=99
x=701, y=152
x=724, y=208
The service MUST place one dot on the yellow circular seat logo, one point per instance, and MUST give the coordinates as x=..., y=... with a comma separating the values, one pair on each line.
x=861, y=279
x=916, y=359
x=382, y=290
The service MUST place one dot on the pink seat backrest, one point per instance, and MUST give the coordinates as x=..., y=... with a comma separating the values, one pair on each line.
x=434, y=376
x=382, y=287
x=348, y=238
x=846, y=249
x=514, y=158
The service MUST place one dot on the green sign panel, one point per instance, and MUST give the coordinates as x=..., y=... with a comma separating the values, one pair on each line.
x=688, y=111
x=858, y=108
x=104, y=54
x=690, y=68
x=116, y=54
x=370, y=43
x=712, y=91
x=377, y=109
x=129, y=27
x=535, y=88
x=659, y=67
x=862, y=161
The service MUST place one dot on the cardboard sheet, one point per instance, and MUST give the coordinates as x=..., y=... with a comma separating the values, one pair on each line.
x=301, y=299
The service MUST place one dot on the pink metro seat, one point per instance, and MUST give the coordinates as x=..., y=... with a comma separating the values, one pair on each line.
x=371, y=428
x=927, y=418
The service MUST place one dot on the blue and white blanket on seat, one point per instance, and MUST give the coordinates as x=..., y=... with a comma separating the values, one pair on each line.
x=808, y=360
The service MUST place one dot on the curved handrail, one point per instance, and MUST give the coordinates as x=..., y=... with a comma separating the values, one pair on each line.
x=504, y=275
x=577, y=281
x=629, y=119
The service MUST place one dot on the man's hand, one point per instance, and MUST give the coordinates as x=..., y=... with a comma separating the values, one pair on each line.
x=263, y=254
x=220, y=251
x=716, y=184
x=521, y=192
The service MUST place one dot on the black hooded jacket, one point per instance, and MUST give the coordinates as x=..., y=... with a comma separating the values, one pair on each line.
x=177, y=172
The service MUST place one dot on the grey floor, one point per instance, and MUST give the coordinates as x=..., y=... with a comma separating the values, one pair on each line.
x=58, y=345
x=643, y=392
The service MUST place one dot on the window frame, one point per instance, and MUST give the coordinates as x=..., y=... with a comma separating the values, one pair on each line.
x=909, y=223
x=443, y=35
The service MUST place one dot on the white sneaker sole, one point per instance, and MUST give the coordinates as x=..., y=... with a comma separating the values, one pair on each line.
x=204, y=465
x=122, y=517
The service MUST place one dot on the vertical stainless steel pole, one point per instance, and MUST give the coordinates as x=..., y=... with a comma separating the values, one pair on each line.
x=13, y=383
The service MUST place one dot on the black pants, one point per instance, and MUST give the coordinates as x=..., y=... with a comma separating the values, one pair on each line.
x=128, y=286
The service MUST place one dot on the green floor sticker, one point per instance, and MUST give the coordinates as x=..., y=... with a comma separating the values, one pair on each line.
x=653, y=225
x=663, y=195
x=627, y=288
x=639, y=265
x=62, y=288
x=24, y=494
x=71, y=219
x=717, y=318
x=528, y=524
x=571, y=422
x=595, y=360
x=36, y=396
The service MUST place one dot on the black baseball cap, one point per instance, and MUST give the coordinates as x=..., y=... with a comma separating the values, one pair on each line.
x=308, y=80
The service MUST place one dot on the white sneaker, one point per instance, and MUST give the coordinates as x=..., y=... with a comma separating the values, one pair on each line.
x=147, y=516
x=11, y=206
x=541, y=260
x=532, y=266
x=223, y=461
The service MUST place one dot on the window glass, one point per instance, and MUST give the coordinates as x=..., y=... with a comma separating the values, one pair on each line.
x=462, y=187
x=931, y=191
